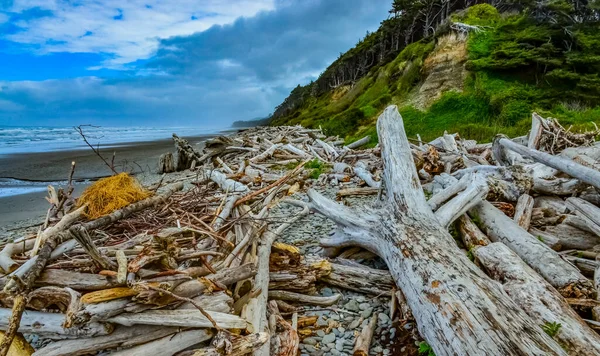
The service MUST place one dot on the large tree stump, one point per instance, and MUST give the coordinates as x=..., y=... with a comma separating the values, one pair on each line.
x=459, y=310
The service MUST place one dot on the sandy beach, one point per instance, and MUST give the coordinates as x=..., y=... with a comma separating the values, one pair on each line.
x=140, y=158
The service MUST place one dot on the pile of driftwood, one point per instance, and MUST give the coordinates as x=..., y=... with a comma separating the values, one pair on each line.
x=501, y=259
x=190, y=269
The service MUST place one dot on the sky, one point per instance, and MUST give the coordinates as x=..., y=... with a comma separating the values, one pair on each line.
x=167, y=63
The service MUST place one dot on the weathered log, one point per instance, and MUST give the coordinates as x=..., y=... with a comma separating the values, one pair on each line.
x=181, y=318
x=166, y=163
x=547, y=238
x=168, y=345
x=471, y=235
x=358, y=143
x=427, y=265
x=239, y=346
x=75, y=280
x=285, y=342
x=360, y=279
x=363, y=340
x=256, y=308
x=357, y=191
x=303, y=298
x=51, y=325
x=571, y=237
x=360, y=169
x=537, y=128
x=464, y=201
x=538, y=299
x=586, y=211
x=560, y=274
x=575, y=170
x=523, y=211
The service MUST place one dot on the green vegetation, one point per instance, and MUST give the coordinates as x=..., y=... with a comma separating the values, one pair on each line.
x=551, y=329
x=518, y=63
x=317, y=168
x=425, y=349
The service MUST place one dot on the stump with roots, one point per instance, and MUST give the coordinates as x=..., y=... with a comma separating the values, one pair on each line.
x=459, y=310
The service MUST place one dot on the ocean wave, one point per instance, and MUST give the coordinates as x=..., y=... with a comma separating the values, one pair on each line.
x=44, y=139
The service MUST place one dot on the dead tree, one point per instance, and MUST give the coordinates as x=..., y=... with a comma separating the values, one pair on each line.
x=458, y=309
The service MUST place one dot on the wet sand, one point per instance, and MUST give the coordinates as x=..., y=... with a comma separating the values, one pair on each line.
x=138, y=158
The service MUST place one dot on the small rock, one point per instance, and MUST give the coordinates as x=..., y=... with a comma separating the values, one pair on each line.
x=341, y=329
x=326, y=292
x=335, y=352
x=310, y=341
x=311, y=349
x=352, y=306
x=366, y=313
x=321, y=333
x=353, y=325
x=339, y=345
x=377, y=349
x=384, y=318
x=364, y=306
x=329, y=338
x=321, y=321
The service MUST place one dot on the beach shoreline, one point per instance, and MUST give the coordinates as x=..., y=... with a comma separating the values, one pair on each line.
x=138, y=158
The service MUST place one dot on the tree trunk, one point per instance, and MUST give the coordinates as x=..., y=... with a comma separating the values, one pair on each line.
x=558, y=272
x=458, y=309
x=538, y=299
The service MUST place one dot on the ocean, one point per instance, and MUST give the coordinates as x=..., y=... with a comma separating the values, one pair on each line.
x=49, y=139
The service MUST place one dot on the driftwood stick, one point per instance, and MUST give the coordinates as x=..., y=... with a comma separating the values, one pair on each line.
x=363, y=341
x=358, y=143
x=239, y=346
x=523, y=211
x=19, y=303
x=304, y=299
x=181, y=318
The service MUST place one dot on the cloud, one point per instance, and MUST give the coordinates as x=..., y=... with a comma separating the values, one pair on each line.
x=224, y=73
x=129, y=31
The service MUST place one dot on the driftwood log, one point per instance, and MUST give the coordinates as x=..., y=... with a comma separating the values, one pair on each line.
x=427, y=265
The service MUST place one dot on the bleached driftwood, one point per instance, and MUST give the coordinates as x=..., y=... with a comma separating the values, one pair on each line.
x=181, y=318
x=575, y=170
x=168, y=345
x=538, y=299
x=303, y=298
x=586, y=211
x=360, y=169
x=51, y=325
x=363, y=340
x=358, y=143
x=123, y=336
x=559, y=273
x=523, y=211
x=405, y=233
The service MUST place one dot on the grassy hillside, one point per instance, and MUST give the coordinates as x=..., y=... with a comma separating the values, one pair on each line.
x=515, y=63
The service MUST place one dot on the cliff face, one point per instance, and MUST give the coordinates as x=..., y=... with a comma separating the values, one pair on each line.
x=443, y=70
x=478, y=82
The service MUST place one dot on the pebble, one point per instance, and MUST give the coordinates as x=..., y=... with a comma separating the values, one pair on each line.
x=352, y=306
x=366, y=313
x=326, y=292
x=329, y=338
x=311, y=349
x=353, y=325
x=321, y=321
x=341, y=329
x=377, y=349
x=339, y=345
x=364, y=306
x=310, y=341
x=321, y=333
x=384, y=318
x=335, y=352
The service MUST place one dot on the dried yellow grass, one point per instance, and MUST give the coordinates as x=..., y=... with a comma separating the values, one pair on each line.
x=110, y=194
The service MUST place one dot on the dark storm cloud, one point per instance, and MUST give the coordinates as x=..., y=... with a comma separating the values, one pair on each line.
x=226, y=73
